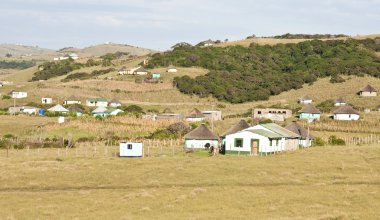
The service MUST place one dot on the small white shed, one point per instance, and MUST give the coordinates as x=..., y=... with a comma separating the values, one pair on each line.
x=131, y=149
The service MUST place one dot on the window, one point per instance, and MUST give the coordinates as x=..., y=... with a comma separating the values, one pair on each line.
x=284, y=112
x=129, y=146
x=270, y=142
x=259, y=112
x=277, y=142
x=238, y=142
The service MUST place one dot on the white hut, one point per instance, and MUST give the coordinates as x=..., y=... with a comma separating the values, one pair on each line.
x=201, y=138
x=306, y=138
x=46, y=100
x=131, y=149
x=346, y=113
x=58, y=108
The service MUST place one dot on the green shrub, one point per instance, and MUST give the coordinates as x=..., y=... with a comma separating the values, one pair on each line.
x=319, y=142
x=333, y=140
x=6, y=97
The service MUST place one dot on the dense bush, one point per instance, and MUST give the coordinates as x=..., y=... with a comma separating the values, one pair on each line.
x=326, y=106
x=308, y=36
x=333, y=140
x=319, y=142
x=241, y=74
x=16, y=64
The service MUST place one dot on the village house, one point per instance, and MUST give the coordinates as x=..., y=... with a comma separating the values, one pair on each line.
x=310, y=113
x=23, y=109
x=273, y=114
x=208, y=43
x=367, y=91
x=306, y=139
x=195, y=115
x=96, y=102
x=104, y=112
x=346, y=113
x=169, y=116
x=122, y=71
x=72, y=100
x=136, y=71
x=305, y=100
x=115, y=103
x=201, y=138
x=171, y=69
x=76, y=110
x=46, y=100
x=59, y=109
x=241, y=125
x=340, y=102
x=18, y=95
x=261, y=139
x=212, y=115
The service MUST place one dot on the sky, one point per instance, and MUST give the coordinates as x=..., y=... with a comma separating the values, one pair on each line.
x=159, y=24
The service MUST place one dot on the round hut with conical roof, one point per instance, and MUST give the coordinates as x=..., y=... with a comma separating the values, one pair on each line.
x=201, y=138
x=306, y=138
x=309, y=112
x=368, y=90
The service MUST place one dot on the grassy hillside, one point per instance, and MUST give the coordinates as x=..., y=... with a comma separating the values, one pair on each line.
x=318, y=183
x=274, y=41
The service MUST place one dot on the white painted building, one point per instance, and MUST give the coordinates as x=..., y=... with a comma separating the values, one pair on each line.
x=213, y=115
x=72, y=100
x=305, y=100
x=18, y=95
x=131, y=149
x=96, y=102
x=340, y=102
x=171, y=69
x=346, y=113
x=46, y=100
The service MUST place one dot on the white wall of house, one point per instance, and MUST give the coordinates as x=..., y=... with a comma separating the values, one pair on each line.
x=171, y=70
x=265, y=144
x=340, y=104
x=116, y=111
x=306, y=101
x=346, y=117
x=368, y=93
x=30, y=111
x=19, y=95
x=200, y=144
x=96, y=103
x=305, y=143
x=46, y=100
x=70, y=102
x=140, y=73
x=130, y=149
x=113, y=104
x=195, y=119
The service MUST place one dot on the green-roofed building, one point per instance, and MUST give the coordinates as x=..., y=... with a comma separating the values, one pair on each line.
x=260, y=139
x=96, y=102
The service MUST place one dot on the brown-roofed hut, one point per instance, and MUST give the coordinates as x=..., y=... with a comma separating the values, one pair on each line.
x=368, y=91
x=346, y=113
x=195, y=115
x=305, y=137
x=201, y=138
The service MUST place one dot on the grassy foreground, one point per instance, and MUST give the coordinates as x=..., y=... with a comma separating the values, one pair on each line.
x=317, y=183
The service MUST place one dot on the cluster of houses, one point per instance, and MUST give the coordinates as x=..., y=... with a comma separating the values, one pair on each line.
x=73, y=56
x=343, y=111
x=140, y=71
x=103, y=107
x=194, y=115
x=245, y=139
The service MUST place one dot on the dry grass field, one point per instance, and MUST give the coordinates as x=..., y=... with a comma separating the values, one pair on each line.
x=317, y=183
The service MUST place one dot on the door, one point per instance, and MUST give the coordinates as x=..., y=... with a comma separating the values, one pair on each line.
x=254, y=147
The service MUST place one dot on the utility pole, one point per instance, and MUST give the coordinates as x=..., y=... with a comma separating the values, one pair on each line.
x=14, y=106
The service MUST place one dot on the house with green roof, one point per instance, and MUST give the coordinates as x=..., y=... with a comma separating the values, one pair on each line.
x=96, y=102
x=104, y=112
x=261, y=139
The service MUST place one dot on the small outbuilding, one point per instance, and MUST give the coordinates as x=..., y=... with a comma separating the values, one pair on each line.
x=18, y=95
x=212, y=115
x=367, y=91
x=46, y=100
x=201, y=138
x=346, y=113
x=131, y=149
